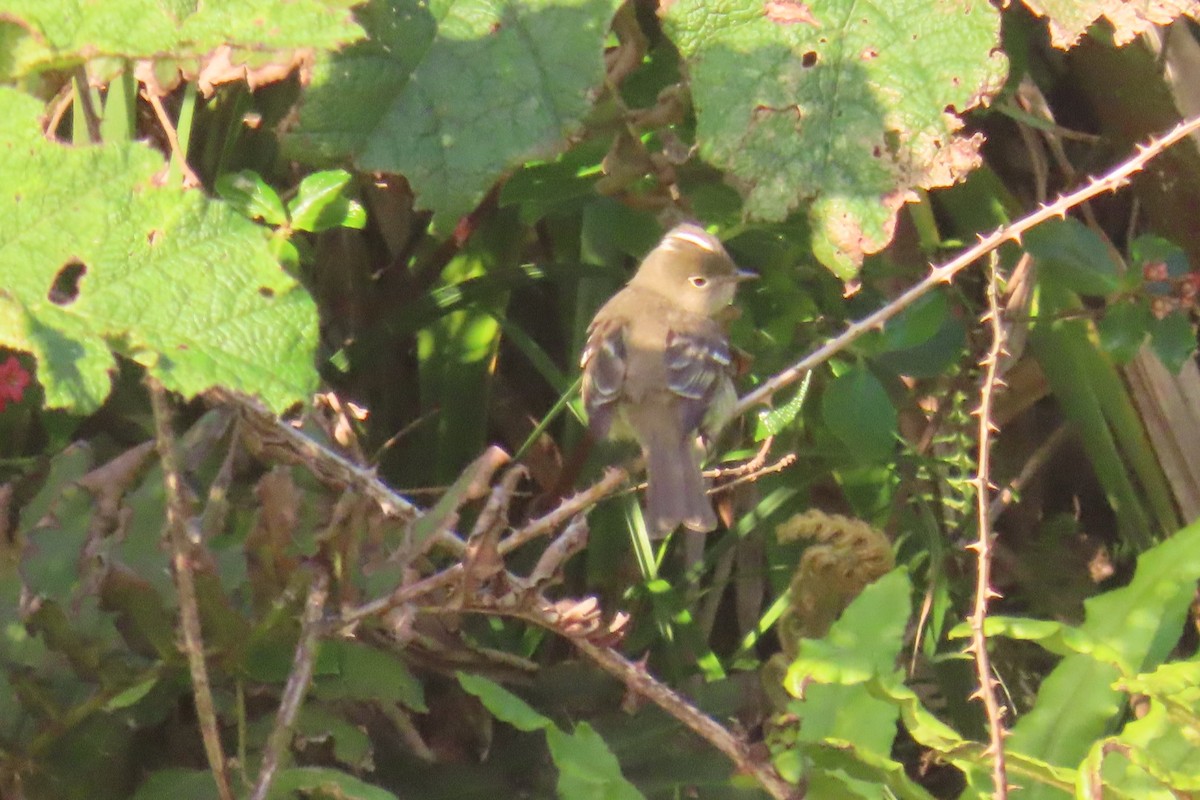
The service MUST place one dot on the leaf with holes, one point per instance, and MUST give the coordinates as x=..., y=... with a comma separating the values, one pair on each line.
x=98, y=261
x=451, y=93
x=845, y=108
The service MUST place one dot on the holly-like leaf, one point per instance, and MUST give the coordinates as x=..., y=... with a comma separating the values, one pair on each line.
x=451, y=93
x=1123, y=329
x=98, y=261
x=1174, y=340
x=842, y=105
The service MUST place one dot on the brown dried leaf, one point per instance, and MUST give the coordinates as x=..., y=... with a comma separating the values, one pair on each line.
x=1070, y=19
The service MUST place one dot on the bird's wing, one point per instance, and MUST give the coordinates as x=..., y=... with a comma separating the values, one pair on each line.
x=604, y=362
x=696, y=364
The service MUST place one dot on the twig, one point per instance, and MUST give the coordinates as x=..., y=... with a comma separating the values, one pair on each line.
x=780, y=465
x=297, y=683
x=566, y=510
x=59, y=105
x=269, y=436
x=181, y=562
x=637, y=679
x=1032, y=466
x=190, y=179
x=1117, y=177
x=83, y=95
x=983, y=546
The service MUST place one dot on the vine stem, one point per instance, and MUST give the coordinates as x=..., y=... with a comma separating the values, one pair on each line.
x=1111, y=181
x=983, y=545
x=185, y=585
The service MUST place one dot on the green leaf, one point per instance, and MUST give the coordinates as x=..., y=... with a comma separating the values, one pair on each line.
x=1077, y=702
x=247, y=192
x=858, y=410
x=1174, y=340
x=846, y=112
x=852, y=652
x=452, y=93
x=1074, y=256
x=1148, y=249
x=184, y=286
x=324, y=782
x=367, y=673
x=504, y=705
x=1057, y=637
x=865, y=766
x=1123, y=329
x=587, y=769
x=772, y=421
x=64, y=33
x=133, y=694
x=321, y=204
x=172, y=784
x=917, y=324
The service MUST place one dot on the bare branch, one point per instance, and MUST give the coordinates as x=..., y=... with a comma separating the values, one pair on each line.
x=178, y=516
x=297, y=684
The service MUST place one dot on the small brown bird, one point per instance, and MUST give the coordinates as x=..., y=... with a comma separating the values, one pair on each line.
x=657, y=362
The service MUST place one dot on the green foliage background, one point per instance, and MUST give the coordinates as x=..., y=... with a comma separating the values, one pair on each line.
x=415, y=207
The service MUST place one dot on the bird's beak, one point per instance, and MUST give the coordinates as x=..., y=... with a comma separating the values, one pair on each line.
x=742, y=275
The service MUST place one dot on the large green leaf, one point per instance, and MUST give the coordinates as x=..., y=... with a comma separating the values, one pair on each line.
x=846, y=108
x=1141, y=622
x=98, y=261
x=61, y=33
x=451, y=93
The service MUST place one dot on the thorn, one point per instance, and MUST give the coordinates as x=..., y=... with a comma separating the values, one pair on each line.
x=992, y=594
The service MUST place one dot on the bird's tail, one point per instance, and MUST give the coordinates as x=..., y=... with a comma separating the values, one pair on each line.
x=675, y=491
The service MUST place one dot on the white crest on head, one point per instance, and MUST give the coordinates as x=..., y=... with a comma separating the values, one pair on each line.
x=694, y=235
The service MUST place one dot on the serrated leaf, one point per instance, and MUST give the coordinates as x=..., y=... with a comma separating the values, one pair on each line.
x=320, y=204
x=846, y=111
x=63, y=33
x=774, y=420
x=247, y=192
x=1174, y=340
x=1074, y=256
x=858, y=410
x=451, y=93
x=504, y=705
x=98, y=261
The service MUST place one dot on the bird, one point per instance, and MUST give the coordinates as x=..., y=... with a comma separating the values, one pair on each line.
x=657, y=367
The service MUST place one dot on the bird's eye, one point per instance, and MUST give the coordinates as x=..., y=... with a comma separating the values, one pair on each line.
x=699, y=281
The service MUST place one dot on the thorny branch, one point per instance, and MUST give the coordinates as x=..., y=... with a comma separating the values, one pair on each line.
x=983, y=545
x=1111, y=181
x=178, y=519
